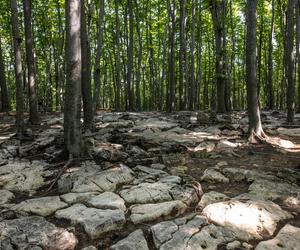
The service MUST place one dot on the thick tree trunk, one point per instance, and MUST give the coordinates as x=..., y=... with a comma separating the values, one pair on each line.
x=255, y=126
x=218, y=18
x=289, y=45
x=18, y=68
x=86, y=88
x=72, y=111
x=97, y=67
x=4, y=95
x=33, y=103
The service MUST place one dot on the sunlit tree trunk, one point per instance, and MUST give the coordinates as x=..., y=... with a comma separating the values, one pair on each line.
x=33, y=103
x=18, y=68
x=255, y=126
x=72, y=111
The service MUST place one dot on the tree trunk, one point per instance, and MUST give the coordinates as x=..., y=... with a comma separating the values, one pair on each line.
x=72, y=126
x=4, y=95
x=297, y=49
x=130, y=56
x=270, y=99
x=118, y=58
x=86, y=88
x=97, y=67
x=33, y=103
x=18, y=68
x=218, y=18
x=255, y=126
x=192, y=85
x=289, y=45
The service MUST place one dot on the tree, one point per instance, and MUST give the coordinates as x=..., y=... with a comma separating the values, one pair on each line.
x=255, y=126
x=289, y=45
x=4, y=95
x=33, y=103
x=72, y=125
x=87, y=100
x=130, y=57
x=18, y=68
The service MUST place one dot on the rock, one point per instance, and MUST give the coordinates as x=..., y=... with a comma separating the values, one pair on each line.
x=212, y=175
x=288, y=238
x=34, y=233
x=134, y=241
x=247, y=246
x=147, y=193
x=236, y=174
x=72, y=198
x=233, y=245
x=90, y=248
x=151, y=171
x=210, y=198
x=203, y=118
x=95, y=221
x=6, y=196
x=206, y=145
x=107, y=180
x=163, y=231
x=158, y=166
x=249, y=220
x=108, y=152
x=22, y=176
x=225, y=144
x=293, y=132
x=107, y=200
x=154, y=123
x=41, y=206
x=151, y=212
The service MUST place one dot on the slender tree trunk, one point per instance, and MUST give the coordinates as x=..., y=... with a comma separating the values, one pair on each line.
x=232, y=60
x=97, y=67
x=297, y=49
x=118, y=58
x=4, y=95
x=171, y=81
x=199, y=58
x=130, y=56
x=86, y=88
x=255, y=126
x=192, y=86
x=18, y=68
x=33, y=103
x=72, y=125
x=289, y=45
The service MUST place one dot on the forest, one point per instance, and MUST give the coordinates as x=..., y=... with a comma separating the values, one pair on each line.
x=150, y=124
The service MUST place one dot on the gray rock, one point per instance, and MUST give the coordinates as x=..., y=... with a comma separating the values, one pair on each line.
x=147, y=193
x=162, y=232
x=158, y=166
x=107, y=200
x=6, y=196
x=90, y=248
x=249, y=220
x=210, y=198
x=288, y=238
x=212, y=175
x=151, y=212
x=22, y=176
x=106, y=180
x=95, y=221
x=41, y=206
x=233, y=245
x=34, y=233
x=151, y=171
x=72, y=198
x=134, y=241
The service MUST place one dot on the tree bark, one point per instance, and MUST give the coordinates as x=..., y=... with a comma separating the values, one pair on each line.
x=297, y=49
x=33, y=103
x=130, y=56
x=118, y=58
x=86, y=88
x=255, y=126
x=72, y=111
x=4, y=95
x=18, y=69
x=289, y=45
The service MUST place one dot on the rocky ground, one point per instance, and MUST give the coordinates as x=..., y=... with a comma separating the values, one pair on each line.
x=152, y=181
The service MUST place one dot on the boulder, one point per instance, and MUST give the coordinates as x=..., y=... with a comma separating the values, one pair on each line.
x=6, y=196
x=134, y=241
x=107, y=200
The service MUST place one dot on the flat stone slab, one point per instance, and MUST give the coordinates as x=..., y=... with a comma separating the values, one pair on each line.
x=22, y=176
x=6, y=196
x=103, y=181
x=34, y=232
x=72, y=198
x=250, y=219
x=107, y=200
x=210, y=198
x=151, y=212
x=288, y=238
x=95, y=221
x=212, y=175
x=41, y=206
x=134, y=241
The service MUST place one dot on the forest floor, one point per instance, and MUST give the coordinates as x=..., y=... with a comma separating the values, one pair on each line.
x=152, y=181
